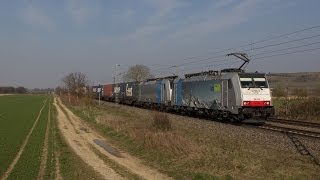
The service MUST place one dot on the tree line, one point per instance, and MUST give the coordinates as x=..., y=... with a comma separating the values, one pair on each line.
x=13, y=90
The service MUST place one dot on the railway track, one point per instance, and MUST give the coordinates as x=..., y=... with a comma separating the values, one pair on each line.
x=292, y=131
x=295, y=122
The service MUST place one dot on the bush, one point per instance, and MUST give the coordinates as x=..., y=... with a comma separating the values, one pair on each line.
x=279, y=91
x=161, y=121
x=317, y=90
x=300, y=108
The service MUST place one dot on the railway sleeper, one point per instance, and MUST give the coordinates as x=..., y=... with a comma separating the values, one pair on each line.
x=301, y=148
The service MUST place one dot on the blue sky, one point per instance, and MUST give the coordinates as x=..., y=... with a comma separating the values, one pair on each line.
x=42, y=41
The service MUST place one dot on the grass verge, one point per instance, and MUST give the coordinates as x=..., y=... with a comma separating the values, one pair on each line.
x=196, y=149
x=152, y=156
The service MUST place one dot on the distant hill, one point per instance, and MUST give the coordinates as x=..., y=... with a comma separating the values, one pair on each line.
x=308, y=81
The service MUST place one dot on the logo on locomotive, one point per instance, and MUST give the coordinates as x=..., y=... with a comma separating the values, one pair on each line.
x=128, y=91
x=255, y=91
x=116, y=89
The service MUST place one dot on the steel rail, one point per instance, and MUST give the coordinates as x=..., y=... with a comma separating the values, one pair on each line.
x=290, y=131
x=295, y=122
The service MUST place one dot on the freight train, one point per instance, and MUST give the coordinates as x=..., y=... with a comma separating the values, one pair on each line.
x=229, y=94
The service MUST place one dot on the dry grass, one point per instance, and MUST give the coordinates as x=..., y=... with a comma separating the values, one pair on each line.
x=161, y=121
x=302, y=108
x=153, y=131
x=196, y=149
x=290, y=82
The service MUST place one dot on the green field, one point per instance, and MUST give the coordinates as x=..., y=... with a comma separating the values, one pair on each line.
x=29, y=163
x=17, y=115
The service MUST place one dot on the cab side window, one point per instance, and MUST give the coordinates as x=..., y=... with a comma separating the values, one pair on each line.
x=229, y=84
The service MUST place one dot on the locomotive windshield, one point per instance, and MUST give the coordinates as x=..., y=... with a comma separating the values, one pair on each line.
x=260, y=82
x=249, y=82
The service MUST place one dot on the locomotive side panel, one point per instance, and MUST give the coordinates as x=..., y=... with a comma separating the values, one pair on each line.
x=202, y=94
x=122, y=92
x=231, y=96
x=149, y=92
x=176, y=98
x=166, y=92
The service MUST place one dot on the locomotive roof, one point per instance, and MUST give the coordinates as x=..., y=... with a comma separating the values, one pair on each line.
x=221, y=75
x=160, y=78
x=256, y=74
x=207, y=75
x=210, y=77
x=204, y=73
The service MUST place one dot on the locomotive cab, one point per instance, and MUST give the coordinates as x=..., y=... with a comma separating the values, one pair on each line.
x=255, y=96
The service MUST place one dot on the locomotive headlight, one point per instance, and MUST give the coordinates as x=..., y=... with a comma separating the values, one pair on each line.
x=267, y=103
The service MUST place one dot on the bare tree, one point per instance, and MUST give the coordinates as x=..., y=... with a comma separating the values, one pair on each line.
x=76, y=83
x=59, y=90
x=138, y=73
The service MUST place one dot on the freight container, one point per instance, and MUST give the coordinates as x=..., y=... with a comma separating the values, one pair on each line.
x=107, y=91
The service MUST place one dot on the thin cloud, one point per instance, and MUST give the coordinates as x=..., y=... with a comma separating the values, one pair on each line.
x=157, y=22
x=165, y=22
x=222, y=3
x=234, y=15
x=163, y=7
x=81, y=11
x=123, y=16
x=37, y=19
x=222, y=14
x=145, y=31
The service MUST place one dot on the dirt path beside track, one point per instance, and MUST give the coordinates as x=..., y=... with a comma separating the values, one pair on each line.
x=80, y=146
x=81, y=138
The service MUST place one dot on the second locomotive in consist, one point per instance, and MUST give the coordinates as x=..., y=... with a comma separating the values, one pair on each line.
x=230, y=94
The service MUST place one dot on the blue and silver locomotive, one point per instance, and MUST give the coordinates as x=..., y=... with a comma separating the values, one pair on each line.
x=229, y=94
